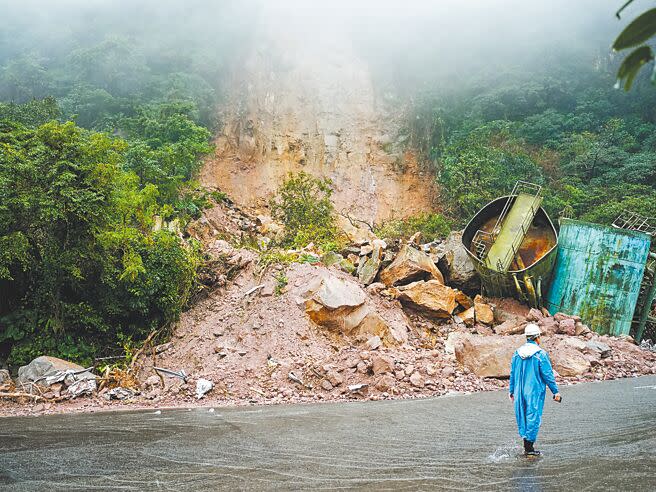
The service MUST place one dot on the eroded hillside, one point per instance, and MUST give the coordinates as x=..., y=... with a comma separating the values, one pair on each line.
x=314, y=107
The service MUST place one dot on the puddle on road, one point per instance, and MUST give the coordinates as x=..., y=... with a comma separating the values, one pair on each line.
x=602, y=438
x=505, y=454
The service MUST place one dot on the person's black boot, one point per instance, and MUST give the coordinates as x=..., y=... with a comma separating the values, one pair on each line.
x=529, y=450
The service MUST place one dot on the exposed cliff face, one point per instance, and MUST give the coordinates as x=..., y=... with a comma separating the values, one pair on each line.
x=312, y=106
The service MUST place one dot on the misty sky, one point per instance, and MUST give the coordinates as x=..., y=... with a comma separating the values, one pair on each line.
x=420, y=39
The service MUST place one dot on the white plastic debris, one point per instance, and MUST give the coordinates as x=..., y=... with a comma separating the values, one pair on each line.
x=202, y=387
x=81, y=387
x=119, y=393
x=295, y=378
x=354, y=388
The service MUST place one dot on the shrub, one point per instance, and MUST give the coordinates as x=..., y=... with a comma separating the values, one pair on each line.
x=432, y=226
x=303, y=205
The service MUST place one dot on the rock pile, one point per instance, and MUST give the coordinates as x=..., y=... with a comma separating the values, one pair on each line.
x=52, y=377
x=411, y=276
x=369, y=322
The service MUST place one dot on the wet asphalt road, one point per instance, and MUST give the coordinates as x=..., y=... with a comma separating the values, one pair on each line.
x=603, y=437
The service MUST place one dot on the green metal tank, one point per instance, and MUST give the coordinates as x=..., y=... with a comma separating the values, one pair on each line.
x=528, y=281
x=597, y=275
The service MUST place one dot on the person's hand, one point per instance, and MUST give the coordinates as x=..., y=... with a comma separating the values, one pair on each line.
x=557, y=397
x=512, y=398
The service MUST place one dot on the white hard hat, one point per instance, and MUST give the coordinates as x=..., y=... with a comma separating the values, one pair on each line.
x=532, y=330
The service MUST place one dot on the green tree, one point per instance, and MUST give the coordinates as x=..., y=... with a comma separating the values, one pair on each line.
x=25, y=78
x=483, y=165
x=303, y=205
x=80, y=268
x=33, y=113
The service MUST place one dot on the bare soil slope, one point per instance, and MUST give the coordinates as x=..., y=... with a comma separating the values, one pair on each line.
x=313, y=107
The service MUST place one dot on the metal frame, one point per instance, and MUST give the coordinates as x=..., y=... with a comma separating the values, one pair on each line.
x=635, y=222
x=483, y=241
x=646, y=299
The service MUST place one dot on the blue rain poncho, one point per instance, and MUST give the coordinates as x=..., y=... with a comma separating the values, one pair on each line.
x=530, y=373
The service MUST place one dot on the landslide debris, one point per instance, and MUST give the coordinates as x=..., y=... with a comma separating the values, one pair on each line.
x=298, y=326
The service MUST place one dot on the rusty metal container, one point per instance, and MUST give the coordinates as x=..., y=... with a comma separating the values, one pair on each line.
x=597, y=275
x=527, y=281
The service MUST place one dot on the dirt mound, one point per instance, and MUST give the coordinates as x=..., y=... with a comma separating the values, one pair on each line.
x=256, y=342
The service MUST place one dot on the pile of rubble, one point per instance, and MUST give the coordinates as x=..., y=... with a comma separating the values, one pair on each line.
x=373, y=322
x=48, y=379
x=370, y=322
x=576, y=352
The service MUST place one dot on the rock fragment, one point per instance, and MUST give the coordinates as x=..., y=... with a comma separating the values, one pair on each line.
x=458, y=266
x=203, y=386
x=417, y=380
x=432, y=297
x=512, y=326
x=410, y=265
x=596, y=347
x=381, y=364
x=484, y=312
x=567, y=326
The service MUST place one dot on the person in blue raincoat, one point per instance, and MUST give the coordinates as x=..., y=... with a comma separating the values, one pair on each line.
x=530, y=374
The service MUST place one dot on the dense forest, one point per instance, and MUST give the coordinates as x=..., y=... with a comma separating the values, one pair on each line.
x=104, y=124
x=564, y=126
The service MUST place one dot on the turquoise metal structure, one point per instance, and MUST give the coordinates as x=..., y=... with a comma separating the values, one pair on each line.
x=597, y=275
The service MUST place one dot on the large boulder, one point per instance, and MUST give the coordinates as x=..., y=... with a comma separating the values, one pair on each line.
x=458, y=266
x=410, y=265
x=567, y=360
x=342, y=306
x=368, y=269
x=432, y=298
x=336, y=304
x=487, y=356
x=44, y=366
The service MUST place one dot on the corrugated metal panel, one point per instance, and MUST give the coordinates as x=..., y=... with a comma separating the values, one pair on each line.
x=597, y=274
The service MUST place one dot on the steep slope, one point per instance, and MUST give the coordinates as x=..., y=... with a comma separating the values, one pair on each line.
x=299, y=104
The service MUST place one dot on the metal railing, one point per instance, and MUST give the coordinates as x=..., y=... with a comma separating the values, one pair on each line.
x=483, y=241
x=635, y=222
x=511, y=253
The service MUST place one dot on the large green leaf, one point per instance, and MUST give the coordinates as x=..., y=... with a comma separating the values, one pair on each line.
x=636, y=33
x=632, y=65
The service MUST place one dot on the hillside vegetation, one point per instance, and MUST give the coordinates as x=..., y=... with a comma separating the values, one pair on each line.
x=563, y=126
x=102, y=131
